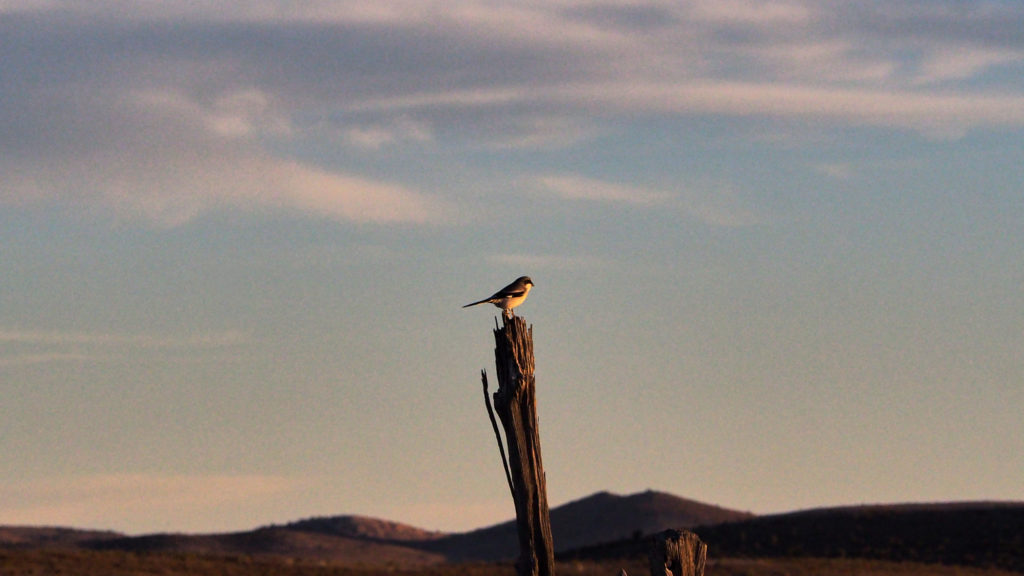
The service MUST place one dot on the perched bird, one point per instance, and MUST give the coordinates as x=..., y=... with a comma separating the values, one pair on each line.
x=510, y=296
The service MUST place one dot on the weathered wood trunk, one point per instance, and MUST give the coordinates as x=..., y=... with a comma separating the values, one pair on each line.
x=516, y=405
x=678, y=553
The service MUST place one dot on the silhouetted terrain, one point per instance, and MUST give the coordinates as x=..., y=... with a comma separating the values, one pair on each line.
x=364, y=528
x=601, y=517
x=978, y=534
x=120, y=563
x=28, y=536
x=968, y=534
x=601, y=530
x=277, y=542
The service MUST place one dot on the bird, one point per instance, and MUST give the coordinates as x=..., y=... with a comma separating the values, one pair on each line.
x=508, y=297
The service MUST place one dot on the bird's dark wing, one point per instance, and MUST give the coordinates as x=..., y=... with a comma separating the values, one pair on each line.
x=508, y=294
x=513, y=289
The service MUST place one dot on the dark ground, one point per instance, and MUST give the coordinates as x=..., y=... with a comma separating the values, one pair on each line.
x=41, y=562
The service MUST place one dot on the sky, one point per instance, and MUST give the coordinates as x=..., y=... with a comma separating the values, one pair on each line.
x=777, y=248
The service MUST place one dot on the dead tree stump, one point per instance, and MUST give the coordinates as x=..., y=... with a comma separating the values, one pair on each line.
x=678, y=553
x=516, y=405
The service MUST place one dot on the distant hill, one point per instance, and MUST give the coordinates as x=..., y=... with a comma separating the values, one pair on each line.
x=278, y=542
x=984, y=534
x=31, y=536
x=364, y=528
x=601, y=517
x=980, y=534
x=603, y=526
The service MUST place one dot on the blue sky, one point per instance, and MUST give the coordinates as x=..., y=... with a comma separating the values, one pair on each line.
x=777, y=250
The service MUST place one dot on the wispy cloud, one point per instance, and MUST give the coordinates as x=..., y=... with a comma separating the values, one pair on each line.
x=109, y=109
x=960, y=63
x=576, y=187
x=380, y=135
x=752, y=12
x=55, y=337
x=903, y=108
x=118, y=501
x=168, y=157
x=29, y=359
x=712, y=203
x=19, y=347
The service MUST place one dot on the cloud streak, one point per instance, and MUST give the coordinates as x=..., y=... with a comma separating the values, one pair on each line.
x=713, y=204
x=40, y=347
x=575, y=187
x=40, y=337
x=904, y=108
x=168, y=158
x=117, y=500
x=111, y=109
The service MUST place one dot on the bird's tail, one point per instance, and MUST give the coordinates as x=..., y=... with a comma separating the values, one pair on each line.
x=484, y=301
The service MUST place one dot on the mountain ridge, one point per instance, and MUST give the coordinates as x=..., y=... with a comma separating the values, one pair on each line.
x=603, y=525
x=982, y=534
x=364, y=528
x=599, y=517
